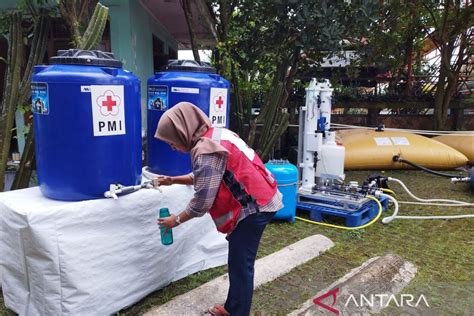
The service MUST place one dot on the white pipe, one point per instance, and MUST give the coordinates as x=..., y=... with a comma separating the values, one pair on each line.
x=115, y=189
x=148, y=174
x=435, y=204
x=388, y=219
x=433, y=217
x=426, y=200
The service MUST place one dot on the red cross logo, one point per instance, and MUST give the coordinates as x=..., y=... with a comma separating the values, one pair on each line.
x=219, y=102
x=109, y=103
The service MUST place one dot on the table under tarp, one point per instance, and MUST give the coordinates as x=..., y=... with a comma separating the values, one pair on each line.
x=96, y=257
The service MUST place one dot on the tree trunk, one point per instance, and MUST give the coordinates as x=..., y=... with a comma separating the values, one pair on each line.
x=409, y=65
x=186, y=5
x=238, y=108
x=440, y=116
x=37, y=52
x=11, y=91
x=272, y=116
x=27, y=164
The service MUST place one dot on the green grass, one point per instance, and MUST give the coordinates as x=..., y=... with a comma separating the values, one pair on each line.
x=443, y=251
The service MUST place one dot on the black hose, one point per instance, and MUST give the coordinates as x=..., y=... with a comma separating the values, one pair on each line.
x=436, y=173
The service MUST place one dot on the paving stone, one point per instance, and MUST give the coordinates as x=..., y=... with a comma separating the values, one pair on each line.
x=365, y=290
x=267, y=269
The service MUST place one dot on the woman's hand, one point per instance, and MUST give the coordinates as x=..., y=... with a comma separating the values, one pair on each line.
x=168, y=222
x=162, y=180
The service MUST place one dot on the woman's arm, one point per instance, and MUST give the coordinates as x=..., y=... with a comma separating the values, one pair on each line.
x=168, y=180
x=208, y=172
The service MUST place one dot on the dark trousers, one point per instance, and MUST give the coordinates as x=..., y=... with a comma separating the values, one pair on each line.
x=243, y=245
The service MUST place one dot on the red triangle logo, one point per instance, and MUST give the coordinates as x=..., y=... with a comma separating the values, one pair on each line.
x=332, y=293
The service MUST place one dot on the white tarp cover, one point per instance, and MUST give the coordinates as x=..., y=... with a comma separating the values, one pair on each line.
x=96, y=257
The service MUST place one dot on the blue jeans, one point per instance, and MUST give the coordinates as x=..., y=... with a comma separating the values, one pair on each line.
x=243, y=245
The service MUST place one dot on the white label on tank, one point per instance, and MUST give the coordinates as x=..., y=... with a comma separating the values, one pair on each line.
x=218, y=107
x=108, y=110
x=85, y=88
x=383, y=141
x=185, y=90
x=400, y=141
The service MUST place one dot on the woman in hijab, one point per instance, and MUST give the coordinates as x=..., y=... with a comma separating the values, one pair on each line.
x=232, y=184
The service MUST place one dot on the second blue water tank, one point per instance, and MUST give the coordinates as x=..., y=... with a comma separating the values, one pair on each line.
x=183, y=81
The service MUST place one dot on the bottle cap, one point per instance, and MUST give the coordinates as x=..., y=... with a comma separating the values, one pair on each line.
x=164, y=212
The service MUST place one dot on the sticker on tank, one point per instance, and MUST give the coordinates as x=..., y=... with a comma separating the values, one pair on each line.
x=218, y=107
x=108, y=110
x=185, y=90
x=157, y=98
x=39, y=98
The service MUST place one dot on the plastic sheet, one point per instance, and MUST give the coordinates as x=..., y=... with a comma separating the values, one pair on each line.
x=98, y=256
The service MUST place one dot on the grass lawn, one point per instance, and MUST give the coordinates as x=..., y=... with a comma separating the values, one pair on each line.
x=442, y=250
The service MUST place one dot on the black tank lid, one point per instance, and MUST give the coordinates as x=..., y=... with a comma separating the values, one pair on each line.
x=85, y=57
x=189, y=66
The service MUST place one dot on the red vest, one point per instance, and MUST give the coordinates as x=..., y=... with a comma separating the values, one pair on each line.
x=248, y=170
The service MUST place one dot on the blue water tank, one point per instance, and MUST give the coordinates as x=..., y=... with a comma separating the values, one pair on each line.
x=87, y=122
x=183, y=81
x=286, y=175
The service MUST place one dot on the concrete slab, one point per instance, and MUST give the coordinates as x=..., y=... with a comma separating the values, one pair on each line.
x=365, y=290
x=267, y=269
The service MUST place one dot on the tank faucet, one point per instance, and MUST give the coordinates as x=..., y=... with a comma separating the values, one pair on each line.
x=115, y=189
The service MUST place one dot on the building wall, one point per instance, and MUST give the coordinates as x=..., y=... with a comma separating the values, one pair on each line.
x=131, y=31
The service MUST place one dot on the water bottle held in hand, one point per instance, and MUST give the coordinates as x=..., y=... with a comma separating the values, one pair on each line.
x=166, y=234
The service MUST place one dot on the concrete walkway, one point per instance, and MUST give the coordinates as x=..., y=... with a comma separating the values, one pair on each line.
x=267, y=269
x=366, y=290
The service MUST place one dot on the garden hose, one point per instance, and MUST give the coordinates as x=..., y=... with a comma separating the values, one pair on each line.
x=390, y=218
x=397, y=158
x=445, y=202
x=348, y=228
x=454, y=202
x=389, y=191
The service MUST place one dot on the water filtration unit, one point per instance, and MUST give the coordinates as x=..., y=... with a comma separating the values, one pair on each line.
x=321, y=164
x=323, y=192
x=87, y=122
x=183, y=81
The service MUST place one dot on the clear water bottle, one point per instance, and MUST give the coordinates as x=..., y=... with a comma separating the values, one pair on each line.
x=166, y=237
